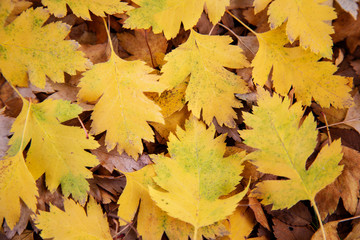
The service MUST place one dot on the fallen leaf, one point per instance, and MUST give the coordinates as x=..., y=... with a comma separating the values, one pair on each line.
x=5, y=125
x=330, y=231
x=283, y=148
x=349, y=6
x=353, y=114
x=144, y=45
x=346, y=186
x=74, y=222
x=211, y=87
x=32, y=57
x=16, y=182
x=81, y=8
x=196, y=159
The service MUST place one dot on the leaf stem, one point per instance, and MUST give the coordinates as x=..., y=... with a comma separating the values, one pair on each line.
x=17, y=91
x=319, y=218
x=108, y=34
x=25, y=124
x=242, y=23
x=195, y=234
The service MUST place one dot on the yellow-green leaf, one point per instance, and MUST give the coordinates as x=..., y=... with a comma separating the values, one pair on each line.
x=122, y=110
x=16, y=183
x=56, y=150
x=74, y=223
x=211, y=87
x=191, y=194
x=283, y=148
x=307, y=20
x=81, y=8
x=30, y=50
x=298, y=69
x=167, y=15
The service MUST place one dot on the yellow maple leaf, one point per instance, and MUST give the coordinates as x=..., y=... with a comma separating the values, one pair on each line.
x=188, y=176
x=152, y=222
x=299, y=69
x=283, y=148
x=56, y=150
x=15, y=182
x=122, y=110
x=307, y=20
x=211, y=87
x=74, y=223
x=240, y=224
x=81, y=7
x=167, y=15
x=29, y=50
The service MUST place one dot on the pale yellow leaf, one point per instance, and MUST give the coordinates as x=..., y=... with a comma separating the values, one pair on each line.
x=188, y=176
x=30, y=50
x=56, y=150
x=16, y=183
x=211, y=87
x=81, y=8
x=283, y=148
x=298, y=69
x=122, y=110
x=74, y=223
x=307, y=20
x=167, y=15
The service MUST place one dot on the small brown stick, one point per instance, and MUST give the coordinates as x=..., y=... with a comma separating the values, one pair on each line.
x=82, y=125
x=327, y=127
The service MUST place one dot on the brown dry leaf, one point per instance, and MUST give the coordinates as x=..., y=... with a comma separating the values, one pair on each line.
x=345, y=186
x=105, y=189
x=96, y=53
x=231, y=132
x=353, y=114
x=204, y=26
x=355, y=233
x=333, y=115
x=258, y=212
x=356, y=65
x=5, y=125
x=25, y=235
x=330, y=231
x=21, y=224
x=293, y=223
x=240, y=4
x=144, y=45
x=347, y=28
x=123, y=162
x=249, y=45
x=259, y=20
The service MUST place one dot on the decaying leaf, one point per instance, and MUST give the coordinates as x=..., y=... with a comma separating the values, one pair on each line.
x=331, y=232
x=196, y=160
x=144, y=45
x=81, y=8
x=352, y=117
x=211, y=87
x=75, y=223
x=312, y=30
x=56, y=150
x=43, y=52
x=167, y=15
x=16, y=182
x=346, y=186
x=122, y=110
x=350, y=6
x=283, y=148
x=299, y=69
x=5, y=125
